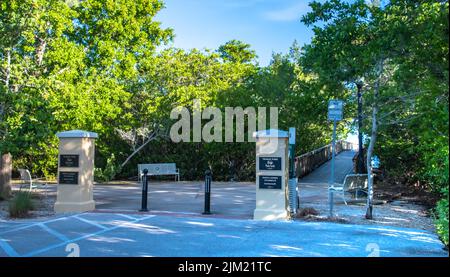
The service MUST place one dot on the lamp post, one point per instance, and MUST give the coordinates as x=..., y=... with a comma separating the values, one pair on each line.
x=360, y=160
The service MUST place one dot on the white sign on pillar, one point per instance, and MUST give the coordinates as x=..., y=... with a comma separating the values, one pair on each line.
x=271, y=175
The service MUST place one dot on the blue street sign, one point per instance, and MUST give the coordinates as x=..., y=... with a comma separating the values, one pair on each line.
x=335, y=110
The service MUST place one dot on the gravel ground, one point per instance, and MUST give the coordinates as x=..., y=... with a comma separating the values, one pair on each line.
x=399, y=213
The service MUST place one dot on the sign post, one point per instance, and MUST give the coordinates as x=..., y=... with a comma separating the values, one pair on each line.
x=335, y=108
x=293, y=193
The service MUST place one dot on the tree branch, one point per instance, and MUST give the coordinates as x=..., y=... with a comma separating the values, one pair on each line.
x=150, y=138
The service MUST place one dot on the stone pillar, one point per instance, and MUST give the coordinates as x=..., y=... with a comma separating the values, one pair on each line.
x=5, y=175
x=271, y=175
x=75, y=171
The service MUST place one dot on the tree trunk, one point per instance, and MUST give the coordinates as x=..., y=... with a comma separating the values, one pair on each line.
x=5, y=175
x=373, y=139
x=40, y=51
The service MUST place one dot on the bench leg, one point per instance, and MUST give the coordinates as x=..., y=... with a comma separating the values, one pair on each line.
x=343, y=197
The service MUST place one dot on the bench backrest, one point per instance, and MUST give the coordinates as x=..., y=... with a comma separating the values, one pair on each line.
x=158, y=169
x=25, y=175
x=355, y=181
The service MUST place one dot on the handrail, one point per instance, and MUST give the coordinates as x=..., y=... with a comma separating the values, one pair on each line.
x=309, y=161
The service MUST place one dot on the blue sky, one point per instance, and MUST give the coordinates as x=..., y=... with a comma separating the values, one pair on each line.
x=267, y=25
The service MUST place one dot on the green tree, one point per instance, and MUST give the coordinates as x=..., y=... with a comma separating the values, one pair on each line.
x=237, y=51
x=70, y=66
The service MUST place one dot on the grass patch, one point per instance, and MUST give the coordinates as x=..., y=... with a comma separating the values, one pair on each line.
x=21, y=204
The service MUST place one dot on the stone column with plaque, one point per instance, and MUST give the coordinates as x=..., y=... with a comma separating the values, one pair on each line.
x=75, y=171
x=271, y=175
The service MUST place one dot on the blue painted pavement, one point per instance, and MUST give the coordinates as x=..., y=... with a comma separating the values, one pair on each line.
x=184, y=235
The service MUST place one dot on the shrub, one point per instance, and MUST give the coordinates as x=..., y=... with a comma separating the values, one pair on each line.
x=441, y=217
x=20, y=204
x=109, y=172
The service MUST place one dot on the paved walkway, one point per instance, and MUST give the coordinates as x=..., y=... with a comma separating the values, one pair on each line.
x=232, y=199
x=314, y=186
x=122, y=235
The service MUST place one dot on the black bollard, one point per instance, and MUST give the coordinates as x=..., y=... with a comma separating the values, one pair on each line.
x=207, y=192
x=144, y=191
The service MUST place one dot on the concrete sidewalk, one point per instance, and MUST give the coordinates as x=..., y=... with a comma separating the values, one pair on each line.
x=122, y=235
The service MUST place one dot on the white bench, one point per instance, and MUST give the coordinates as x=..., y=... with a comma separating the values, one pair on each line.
x=159, y=169
x=352, y=183
x=28, y=181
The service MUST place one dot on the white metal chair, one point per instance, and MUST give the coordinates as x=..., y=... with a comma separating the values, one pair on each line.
x=27, y=181
x=338, y=188
x=352, y=182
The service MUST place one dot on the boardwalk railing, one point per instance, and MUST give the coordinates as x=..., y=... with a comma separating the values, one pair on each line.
x=307, y=162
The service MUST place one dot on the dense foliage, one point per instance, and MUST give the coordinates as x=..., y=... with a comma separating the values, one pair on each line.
x=69, y=66
x=441, y=217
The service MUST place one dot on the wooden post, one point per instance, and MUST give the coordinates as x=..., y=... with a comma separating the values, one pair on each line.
x=5, y=175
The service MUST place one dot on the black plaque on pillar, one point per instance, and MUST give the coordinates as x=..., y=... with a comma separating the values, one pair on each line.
x=69, y=160
x=68, y=178
x=270, y=182
x=269, y=163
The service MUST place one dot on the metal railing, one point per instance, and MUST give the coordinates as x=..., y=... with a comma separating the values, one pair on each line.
x=307, y=162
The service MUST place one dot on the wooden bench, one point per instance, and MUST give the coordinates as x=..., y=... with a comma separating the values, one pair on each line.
x=159, y=169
